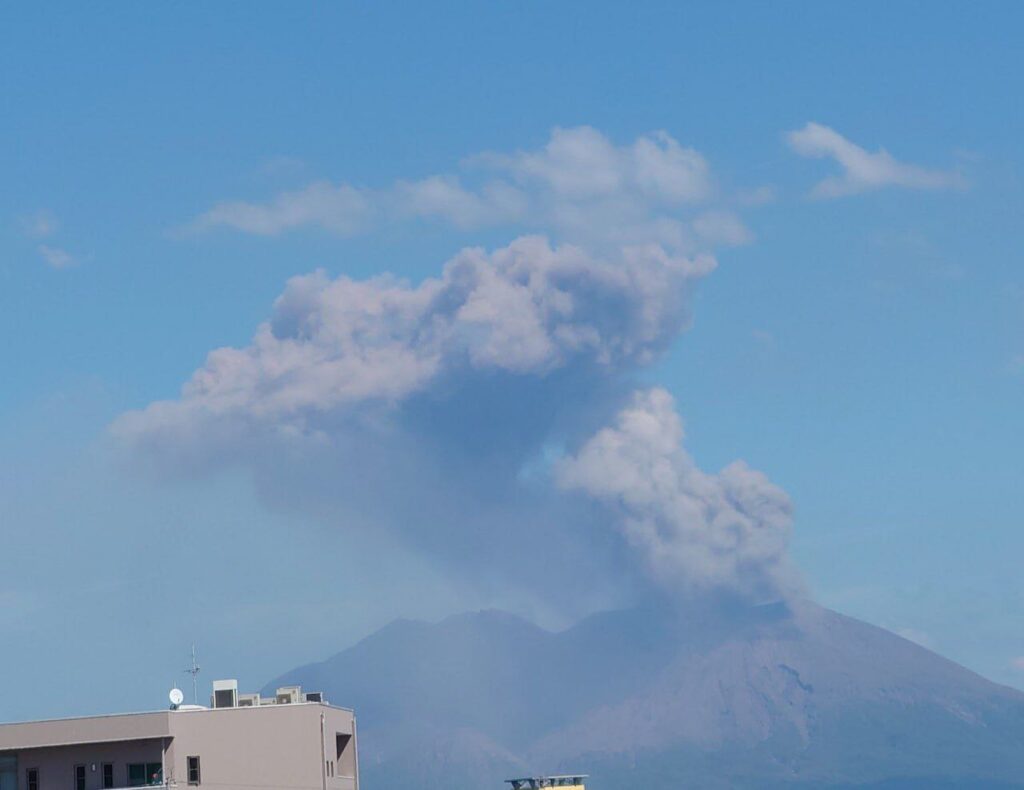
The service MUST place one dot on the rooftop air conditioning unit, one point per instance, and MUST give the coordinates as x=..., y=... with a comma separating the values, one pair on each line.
x=289, y=695
x=225, y=694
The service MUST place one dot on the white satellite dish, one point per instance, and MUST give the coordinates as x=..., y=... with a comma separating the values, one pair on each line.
x=176, y=697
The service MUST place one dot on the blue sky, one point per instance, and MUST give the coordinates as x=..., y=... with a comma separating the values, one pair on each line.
x=862, y=350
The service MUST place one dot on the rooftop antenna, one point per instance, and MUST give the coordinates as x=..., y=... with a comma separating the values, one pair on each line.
x=194, y=672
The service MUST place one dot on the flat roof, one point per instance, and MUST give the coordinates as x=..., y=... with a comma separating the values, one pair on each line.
x=86, y=729
x=113, y=727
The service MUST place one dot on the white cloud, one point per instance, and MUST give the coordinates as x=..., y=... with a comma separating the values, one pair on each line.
x=342, y=209
x=863, y=170
x=579, y=186
x=693, y=530
x=445, y=197
x=581, y=164
x=578, y=163
x=43, y=224
x=40, y=224
x=56, y=257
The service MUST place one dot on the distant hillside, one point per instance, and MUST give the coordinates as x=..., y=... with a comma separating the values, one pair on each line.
x=754, y=698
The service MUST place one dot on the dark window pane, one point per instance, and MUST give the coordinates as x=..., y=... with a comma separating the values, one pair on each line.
x=137, y=775
x=108, y=775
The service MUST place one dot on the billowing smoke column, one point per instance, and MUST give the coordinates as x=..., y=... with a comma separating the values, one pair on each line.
x=464, y=413
x=691, y=530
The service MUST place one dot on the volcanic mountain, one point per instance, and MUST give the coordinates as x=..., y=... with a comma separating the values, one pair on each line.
x=663, y=699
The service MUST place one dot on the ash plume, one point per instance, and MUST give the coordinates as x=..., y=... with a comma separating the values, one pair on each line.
x=487, y=416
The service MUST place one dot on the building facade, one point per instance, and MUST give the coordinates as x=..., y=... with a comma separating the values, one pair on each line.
x=565, y=782
x=289, y=741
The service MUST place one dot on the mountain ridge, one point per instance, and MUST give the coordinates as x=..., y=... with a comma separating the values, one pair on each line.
x=711, y=697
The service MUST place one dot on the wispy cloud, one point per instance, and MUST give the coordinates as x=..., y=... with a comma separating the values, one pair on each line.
x=57, y=258
x=862, y=169
x=39, y=224
x=579, y=186
x=283, y=166
x=756, y=196
x=44, y=224
x=721, y=229
x=1018, y=663
x=343, y=210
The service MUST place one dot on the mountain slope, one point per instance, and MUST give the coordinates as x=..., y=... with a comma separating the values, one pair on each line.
x=756, y=697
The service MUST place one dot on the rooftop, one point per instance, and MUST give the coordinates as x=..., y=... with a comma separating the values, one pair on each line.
x=111, y=727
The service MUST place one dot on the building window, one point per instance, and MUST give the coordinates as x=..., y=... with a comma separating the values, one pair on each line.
x=79, y=777
x=143, y=774
x=32, y=779
x=194, y=776
x=8, y=770
x=108, y=775
x=345, y=753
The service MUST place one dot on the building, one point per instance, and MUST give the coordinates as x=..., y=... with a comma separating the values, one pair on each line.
x=241, y=742
x=566, y=782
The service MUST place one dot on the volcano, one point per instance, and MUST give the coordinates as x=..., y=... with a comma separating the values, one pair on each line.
x=664, y=698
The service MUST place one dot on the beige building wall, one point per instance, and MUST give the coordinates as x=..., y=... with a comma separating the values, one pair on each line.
x=304, y=746
x=283, y=746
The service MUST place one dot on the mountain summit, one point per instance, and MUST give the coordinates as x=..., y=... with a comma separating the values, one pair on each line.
x=662, y=699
